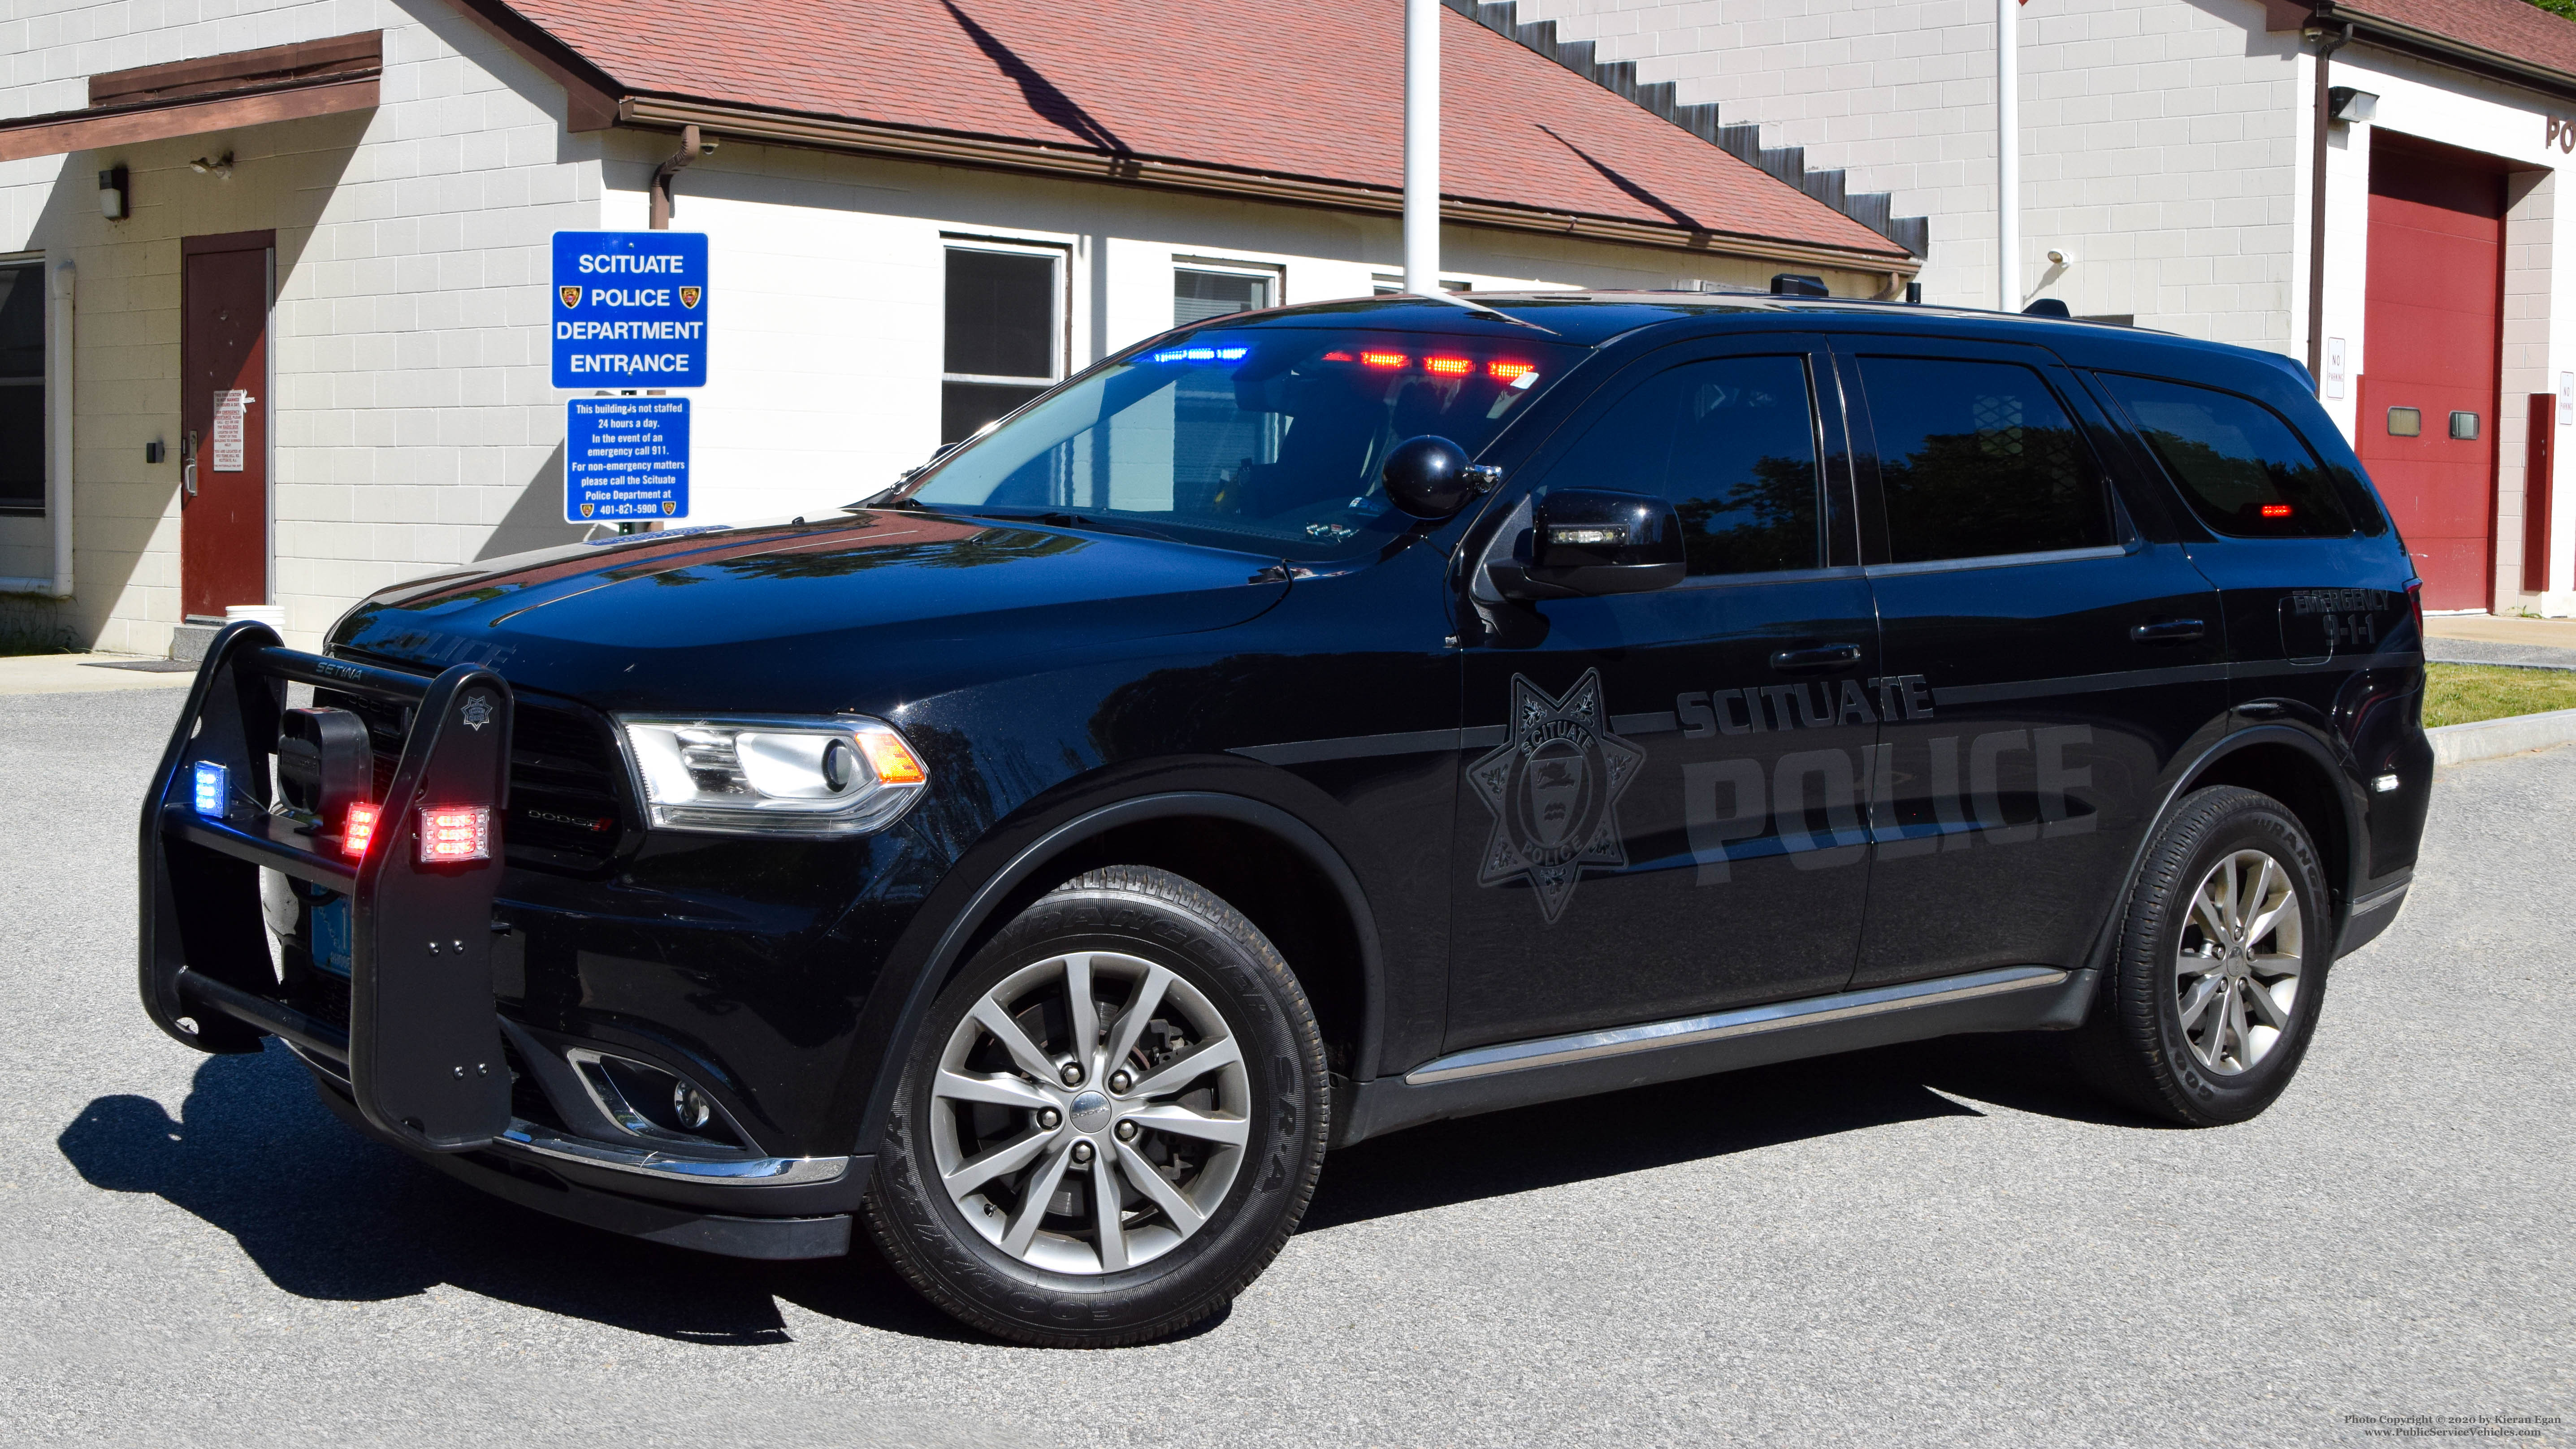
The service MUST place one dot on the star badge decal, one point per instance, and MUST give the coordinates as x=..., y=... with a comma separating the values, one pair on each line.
x=476, y=712
x=1554, y=790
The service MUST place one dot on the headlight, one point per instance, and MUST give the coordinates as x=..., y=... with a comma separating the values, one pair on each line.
x=843, y=775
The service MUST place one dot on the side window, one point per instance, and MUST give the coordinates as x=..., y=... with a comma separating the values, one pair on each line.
x=22, y=388
x=1732, y=442
x=1977, y=459
x=2240, y=466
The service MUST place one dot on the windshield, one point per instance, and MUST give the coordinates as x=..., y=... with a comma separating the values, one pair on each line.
x=1266, y=440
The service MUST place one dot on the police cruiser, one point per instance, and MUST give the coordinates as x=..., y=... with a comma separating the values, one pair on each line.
x=1307, y=726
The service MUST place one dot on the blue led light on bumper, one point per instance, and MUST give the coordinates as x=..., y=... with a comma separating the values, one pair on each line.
x=213, y=788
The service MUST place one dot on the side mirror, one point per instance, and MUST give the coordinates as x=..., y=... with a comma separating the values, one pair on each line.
x=1584, y=541
x=1430, y=477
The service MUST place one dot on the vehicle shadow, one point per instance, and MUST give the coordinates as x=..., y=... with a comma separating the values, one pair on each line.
x=328, y=1214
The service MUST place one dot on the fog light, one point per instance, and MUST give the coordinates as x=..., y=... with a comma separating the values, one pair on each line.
x=213, y=787
x=691, y=1107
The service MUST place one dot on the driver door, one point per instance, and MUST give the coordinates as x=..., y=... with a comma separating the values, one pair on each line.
x=1663, y=803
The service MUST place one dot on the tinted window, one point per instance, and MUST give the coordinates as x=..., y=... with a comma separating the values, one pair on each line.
x=1732, y=442
x=22, y=389
x=1265, y=439
x=2243, y=470
x=1978, y=458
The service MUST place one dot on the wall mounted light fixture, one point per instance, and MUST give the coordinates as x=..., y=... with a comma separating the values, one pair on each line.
x=2345, y=103
x=218, y=167
x=111, y=193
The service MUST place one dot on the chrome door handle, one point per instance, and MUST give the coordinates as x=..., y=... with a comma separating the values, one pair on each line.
x=2168, y=631
x=1816, y=660
x=188, y=465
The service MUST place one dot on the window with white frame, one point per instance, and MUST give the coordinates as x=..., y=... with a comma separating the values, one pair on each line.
x=22, y=387
x=1202, y=290
x=1005, y=337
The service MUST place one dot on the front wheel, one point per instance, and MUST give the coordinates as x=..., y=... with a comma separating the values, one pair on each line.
x=2213, y=991
x=1110, y=1122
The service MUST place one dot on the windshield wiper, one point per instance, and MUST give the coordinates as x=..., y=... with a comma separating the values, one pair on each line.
x=1083, y=520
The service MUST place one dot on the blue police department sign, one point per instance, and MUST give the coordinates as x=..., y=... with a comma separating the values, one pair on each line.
x=630, y=309
x=626, y=459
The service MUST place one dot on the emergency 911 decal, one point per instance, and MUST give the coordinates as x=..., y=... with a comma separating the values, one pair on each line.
x=1554, y=789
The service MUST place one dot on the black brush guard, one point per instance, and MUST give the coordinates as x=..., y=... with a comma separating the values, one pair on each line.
x=422, y=1050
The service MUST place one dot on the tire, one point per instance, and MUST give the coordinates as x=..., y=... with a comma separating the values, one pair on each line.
x=2191, y=1026
x=1217, y=1091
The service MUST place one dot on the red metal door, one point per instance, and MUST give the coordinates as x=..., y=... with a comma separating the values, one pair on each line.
x=2431, y=344
x=223, y=418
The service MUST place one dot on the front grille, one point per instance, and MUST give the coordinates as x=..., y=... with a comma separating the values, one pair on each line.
x=567, y=780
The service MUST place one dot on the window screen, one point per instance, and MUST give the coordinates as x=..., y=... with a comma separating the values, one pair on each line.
x=1198, y=294
x=1004, y=339
x=1732, y=442
x=1977, y=459
x=2242, y=469
x=22, y=388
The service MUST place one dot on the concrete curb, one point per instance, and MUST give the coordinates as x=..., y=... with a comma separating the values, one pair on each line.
x=2490, y=739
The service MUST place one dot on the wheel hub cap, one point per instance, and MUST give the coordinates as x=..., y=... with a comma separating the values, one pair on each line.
x=1090, y=1112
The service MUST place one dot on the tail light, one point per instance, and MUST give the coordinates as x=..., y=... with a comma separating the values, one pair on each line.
x=2415, y=601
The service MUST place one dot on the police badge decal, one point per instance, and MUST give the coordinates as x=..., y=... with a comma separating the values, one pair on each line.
x=1554, y=788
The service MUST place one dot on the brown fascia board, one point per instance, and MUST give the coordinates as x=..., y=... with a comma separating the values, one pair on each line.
x=338, y=57
x=2421, y=44
x=826, y=133
x=590, y=94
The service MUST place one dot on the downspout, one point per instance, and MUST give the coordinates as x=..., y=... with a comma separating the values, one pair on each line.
x=58, y=441
x=688, y=152
x=2328, y=43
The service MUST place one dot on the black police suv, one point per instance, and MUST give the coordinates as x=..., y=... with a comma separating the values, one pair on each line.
x=1313, y=724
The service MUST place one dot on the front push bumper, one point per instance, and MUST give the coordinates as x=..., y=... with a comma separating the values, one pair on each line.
x=417, y=1053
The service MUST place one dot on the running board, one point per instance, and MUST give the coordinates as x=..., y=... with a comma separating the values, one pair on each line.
x=1521, y=1074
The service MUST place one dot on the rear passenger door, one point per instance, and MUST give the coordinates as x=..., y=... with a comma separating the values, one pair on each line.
x=1660, y=815
x=2044, y=661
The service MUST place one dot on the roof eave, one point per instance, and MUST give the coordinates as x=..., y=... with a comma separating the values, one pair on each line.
x=2423, y=44
x=831, y=133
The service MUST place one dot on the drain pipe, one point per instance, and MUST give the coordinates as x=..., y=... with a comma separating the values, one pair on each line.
x=2328, y=43
x=58, y=441
x=661, y=202
x=1422, y=147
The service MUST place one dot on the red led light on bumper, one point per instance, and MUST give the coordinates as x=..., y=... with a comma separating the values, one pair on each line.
x=450, y=833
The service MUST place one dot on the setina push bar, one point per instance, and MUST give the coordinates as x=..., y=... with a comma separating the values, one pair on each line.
x=418, y=866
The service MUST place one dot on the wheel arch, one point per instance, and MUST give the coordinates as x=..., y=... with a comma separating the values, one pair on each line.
x=2279, y=761
x=1262, y=859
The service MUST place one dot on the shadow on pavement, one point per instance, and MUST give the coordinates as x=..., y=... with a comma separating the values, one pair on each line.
x=327, y=1214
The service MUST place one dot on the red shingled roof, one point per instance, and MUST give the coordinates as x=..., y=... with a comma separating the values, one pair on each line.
x=2511, y=28
x=1310, y=89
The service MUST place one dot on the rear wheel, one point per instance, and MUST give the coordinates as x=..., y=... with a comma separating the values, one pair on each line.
x=1111, y=1121
x=2215, y=986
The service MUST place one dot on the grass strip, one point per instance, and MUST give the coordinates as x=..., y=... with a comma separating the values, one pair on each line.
x=2464, y=693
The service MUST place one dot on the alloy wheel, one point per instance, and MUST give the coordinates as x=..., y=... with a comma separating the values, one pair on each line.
x=2236, y=970
x=1090, y=1112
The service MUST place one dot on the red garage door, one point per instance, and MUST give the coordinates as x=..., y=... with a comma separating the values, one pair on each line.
x=2430, y=349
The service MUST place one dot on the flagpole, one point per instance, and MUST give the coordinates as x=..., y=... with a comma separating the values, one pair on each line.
x=1422, y=146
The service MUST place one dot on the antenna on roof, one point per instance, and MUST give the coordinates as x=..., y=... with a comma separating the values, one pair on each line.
x=1454, y=300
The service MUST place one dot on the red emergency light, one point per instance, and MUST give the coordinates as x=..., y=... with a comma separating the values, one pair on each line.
x=1448, y=366
x=1508, y=371
x=2276, y=510
x=360, y=829
x=450, y=833
x=1383, y=359
x=1337, y=357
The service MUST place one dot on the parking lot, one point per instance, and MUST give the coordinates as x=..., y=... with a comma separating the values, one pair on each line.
x=1945, y=1244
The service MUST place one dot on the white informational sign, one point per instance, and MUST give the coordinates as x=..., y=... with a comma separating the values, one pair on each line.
x=2334, y=367
x=230, y=405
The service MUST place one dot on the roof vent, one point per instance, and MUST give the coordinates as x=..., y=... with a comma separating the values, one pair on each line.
x=1792, y=284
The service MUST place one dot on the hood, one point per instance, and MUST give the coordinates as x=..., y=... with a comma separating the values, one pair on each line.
x=850, y=613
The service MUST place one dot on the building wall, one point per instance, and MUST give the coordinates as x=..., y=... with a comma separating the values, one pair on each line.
x=414, y=427
x=2160, y=139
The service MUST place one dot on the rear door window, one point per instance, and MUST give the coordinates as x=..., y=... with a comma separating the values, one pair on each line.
x=2240, y=466
x=1978, y=459
x=1732, y=443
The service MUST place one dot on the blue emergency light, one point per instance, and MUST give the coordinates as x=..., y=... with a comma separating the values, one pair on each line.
x=1202, y=354
x=213, y=789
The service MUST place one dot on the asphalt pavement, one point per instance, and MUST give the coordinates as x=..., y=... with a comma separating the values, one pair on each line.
x=1944, y=1245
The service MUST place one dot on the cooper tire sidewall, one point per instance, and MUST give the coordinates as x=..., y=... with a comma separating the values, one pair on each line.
x=1210, y=1262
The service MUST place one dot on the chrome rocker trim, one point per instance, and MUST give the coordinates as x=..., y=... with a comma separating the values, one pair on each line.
x=1746, y=1021
x=532, y=1140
